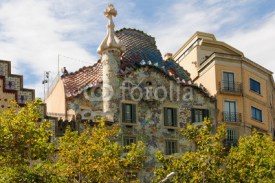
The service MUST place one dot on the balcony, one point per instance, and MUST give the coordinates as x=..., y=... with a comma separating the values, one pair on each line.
x=230, y=87
x=231, y=116
x=228, y=143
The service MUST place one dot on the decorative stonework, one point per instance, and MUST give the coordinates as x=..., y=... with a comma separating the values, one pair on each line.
x=110, y=41
x=22, y=99
x=1, y=71
x=10, y=85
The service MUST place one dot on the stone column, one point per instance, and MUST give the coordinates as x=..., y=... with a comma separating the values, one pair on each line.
x=110, y=50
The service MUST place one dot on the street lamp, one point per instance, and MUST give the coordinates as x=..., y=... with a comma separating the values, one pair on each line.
x=46, y=80
x=169, y=176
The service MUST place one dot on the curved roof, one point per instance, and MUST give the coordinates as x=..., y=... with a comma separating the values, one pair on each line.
x=85, y=76
x=141, y=50
x=139, y=47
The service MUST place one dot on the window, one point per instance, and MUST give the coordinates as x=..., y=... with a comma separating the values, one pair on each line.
x=198, y=115
x=128, y=113
x=128, y=141
x=255, y=86
x=170, y=117
x=229, y=113
x=228, y=79
x=231, y=139
x=256, y=114
x=148, y=83
x=171, y=147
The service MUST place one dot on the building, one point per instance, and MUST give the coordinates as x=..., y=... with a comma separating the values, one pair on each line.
x=244, y=90
x=11, y=87
x=131, y=85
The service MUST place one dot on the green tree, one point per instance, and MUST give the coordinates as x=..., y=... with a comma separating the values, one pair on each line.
x=204, y=164
x=96, y=156
x=25, y=154
x=253, y=160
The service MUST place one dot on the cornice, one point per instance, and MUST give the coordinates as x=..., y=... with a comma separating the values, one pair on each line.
x=196, y=34
x=223, y=44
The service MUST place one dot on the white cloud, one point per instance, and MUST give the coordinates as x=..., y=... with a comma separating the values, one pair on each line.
x=33, y=33
x=32, y=37
x=257, y=43
x=180, y=20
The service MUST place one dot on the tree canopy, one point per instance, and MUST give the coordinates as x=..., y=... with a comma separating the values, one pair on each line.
x=96, y=156
x=25, y=152
x=253, y=160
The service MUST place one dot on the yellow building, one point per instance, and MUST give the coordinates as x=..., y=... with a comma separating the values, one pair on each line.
x=244, y=90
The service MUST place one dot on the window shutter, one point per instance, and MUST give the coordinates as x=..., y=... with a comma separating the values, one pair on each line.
x=193, y=115
x=167, y=147
x=175, y=117
x=123, y=112
x=134, y=117
x=165, y=116
x=205, y=113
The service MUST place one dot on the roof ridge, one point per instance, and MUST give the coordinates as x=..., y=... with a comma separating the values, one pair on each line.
x=81, y=69
x=139, y=31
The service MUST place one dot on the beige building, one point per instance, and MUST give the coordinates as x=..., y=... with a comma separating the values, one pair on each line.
x=244, y=90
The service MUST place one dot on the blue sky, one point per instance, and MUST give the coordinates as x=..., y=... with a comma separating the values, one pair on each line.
x=34, y=32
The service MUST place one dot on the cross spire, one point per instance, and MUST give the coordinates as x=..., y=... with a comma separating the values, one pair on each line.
x=110, y=41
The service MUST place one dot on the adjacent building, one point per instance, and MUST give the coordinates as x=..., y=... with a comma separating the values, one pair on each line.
x=11, y=87
x=244, y=90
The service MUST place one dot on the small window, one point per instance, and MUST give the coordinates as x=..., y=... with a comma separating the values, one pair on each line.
x=198, y=115
x=129, y=113
x=171, y=147
x=256, y=114
x=170, y=117
x=148, y=83
x=128, y=141
x=255, y=86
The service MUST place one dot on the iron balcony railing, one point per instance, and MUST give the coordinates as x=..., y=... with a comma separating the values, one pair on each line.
x=228, y=143
x=230, y=86
x=232, y=116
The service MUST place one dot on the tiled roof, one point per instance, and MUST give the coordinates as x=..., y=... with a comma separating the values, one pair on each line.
x=183, y=74
x=139, y=47
x=74, y=83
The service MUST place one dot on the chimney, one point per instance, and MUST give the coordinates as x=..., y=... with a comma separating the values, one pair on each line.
x=168, y=56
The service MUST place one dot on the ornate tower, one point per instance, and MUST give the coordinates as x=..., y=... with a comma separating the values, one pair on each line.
x=110, y=50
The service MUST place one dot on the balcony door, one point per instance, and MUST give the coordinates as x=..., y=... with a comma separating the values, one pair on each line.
x=228, y=81
x=231, y=137
x=229, y=111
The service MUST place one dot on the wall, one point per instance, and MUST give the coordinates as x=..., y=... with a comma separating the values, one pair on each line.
x=208, y=80
x=186, y=63
x=56, y=102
